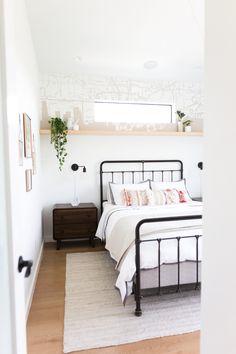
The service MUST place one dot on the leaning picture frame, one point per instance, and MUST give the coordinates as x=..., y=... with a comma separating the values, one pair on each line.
x=28, y=180
x=27, y=136
x=20, y=143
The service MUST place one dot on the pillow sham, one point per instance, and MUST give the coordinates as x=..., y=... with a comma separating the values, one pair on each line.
x=180, y=186
x=117, y=190
x=109, y=196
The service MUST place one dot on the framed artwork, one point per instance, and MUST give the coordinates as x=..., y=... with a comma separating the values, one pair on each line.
x=28, y=180
x=20, y=143
x=27, y=135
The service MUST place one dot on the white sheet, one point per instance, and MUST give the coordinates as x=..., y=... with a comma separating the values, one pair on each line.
x=117, y=228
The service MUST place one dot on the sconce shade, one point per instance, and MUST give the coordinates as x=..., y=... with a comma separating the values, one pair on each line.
x=200, y=165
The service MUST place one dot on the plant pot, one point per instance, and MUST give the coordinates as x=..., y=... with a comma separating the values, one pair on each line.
x=188, y=129
x=180, y=127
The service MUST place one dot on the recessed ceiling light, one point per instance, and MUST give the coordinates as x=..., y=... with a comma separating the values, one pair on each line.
x=150, y=64
x=77, y=58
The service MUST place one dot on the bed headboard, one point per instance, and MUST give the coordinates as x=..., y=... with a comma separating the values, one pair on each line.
x=134, y=171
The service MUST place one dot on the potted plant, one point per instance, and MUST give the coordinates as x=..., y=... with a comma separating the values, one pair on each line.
x=187, y=125
x=59, y=131
x=180, y=117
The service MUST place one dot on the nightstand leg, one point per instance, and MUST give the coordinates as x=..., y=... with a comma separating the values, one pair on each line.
x=91, y=241
x=58, y=244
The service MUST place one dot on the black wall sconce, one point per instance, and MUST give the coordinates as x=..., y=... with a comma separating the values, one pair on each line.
x=75, y=167
x=200, y=165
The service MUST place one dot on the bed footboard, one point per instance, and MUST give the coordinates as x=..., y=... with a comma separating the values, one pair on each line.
x=138, y=241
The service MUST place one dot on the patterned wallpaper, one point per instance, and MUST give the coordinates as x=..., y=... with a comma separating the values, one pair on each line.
x=72, y=97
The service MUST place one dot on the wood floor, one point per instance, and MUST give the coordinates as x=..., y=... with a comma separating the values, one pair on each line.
x=45, y=321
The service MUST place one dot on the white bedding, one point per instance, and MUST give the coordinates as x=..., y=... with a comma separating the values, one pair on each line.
x=117, y=228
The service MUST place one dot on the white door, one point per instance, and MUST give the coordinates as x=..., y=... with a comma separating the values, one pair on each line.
x=12, y=303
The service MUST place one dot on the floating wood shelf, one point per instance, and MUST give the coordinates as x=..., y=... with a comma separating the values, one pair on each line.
x=120, y=132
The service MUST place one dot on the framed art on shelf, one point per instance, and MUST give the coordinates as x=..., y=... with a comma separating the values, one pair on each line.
x=28, y=180
x=27, y=135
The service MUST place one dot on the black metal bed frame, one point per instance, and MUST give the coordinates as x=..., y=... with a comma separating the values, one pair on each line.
x=143, y=170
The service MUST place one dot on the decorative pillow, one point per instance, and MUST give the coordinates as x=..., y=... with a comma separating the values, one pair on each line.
x=117, y=190
x=172, y=196
x=159, y=197
x=180, y=186
x=136, y=197
x=169, y=196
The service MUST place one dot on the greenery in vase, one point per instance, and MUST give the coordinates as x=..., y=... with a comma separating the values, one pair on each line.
x=180, y=115
x=187, y=122
x=59, y=131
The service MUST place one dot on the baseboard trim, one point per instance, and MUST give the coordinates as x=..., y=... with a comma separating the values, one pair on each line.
x=33, y=283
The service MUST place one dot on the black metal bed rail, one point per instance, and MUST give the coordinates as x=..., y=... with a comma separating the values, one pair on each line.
x=138, y=241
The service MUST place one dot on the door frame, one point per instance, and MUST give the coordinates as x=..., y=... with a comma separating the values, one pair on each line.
x=9, y=323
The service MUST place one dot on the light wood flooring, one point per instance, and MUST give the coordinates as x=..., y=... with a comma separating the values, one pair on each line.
x=45, y=321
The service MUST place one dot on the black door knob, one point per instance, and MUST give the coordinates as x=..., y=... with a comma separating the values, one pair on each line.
x=24, y=264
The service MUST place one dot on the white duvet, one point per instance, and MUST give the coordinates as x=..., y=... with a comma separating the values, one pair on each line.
x=117, y=228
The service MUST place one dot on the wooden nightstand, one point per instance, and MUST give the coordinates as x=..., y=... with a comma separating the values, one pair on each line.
x=74, y=222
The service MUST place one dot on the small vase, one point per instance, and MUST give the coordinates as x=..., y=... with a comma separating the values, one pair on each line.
x=76, y=126
x=180, y=127
x=70, y=123
x=188, y=129
x=75, y=202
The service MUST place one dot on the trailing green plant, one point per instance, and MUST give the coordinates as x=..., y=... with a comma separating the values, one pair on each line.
x=59, y=131
x=180, y=115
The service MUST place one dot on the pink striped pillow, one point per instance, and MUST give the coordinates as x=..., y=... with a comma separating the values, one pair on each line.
x=137, y=197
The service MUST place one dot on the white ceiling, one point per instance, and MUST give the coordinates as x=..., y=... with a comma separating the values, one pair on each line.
x=116, y=37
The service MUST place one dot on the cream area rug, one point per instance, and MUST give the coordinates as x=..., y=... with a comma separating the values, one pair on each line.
x=95, y=316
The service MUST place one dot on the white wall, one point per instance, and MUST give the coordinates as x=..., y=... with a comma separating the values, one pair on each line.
x=22, y=96
x=219, y=280
x=91, y=150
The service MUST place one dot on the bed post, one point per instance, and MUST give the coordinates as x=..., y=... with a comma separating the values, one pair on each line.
x=101, y=186
x=137, y=288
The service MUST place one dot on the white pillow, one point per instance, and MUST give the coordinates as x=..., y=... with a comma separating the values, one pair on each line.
x=117, y=190
x=109, y=196
x=178, y=185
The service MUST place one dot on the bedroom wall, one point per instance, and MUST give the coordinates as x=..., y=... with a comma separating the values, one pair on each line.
x=22, y=96
x=219, y=281
x=61, y=94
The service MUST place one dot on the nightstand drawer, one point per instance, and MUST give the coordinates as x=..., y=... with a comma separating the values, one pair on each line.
x=73, y=230
x=73, y=216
